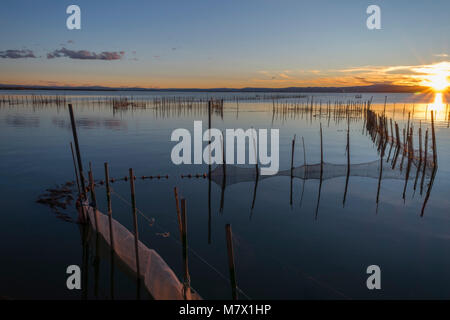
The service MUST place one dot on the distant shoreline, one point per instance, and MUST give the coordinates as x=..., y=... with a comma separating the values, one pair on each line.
x=379, y=88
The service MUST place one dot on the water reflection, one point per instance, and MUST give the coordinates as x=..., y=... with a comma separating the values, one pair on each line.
x=438, y=107
x=22, y=121
x=91, y=123
x=264, y=197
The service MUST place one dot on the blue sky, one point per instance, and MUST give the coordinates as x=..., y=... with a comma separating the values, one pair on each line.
x=219, y=43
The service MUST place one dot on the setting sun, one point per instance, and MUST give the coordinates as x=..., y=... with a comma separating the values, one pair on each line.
x=439, y=81
x=437, y=76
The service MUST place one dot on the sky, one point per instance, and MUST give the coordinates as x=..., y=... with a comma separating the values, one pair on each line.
x=217, y=44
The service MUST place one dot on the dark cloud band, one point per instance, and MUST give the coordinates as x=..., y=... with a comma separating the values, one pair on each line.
x=86, y=55
x=17, y=54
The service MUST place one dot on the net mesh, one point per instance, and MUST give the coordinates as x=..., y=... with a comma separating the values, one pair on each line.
x=236, y=174
x=156, y=275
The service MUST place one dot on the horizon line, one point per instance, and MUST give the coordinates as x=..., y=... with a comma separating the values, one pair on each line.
x=379, y=87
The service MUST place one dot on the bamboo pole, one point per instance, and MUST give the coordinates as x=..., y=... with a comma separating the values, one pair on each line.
x=136, y=231
x=304, y=157
x=292, y=155
x=77, y=149
x=433, y=135
x=321, y=152
x=108, y=199
x=292, y=169
x=111, y=232
x=231, y=266
x=187, y=286
x=175, y=191
x=348, y=161
x=424, y=161
x=420, y=142
x=380, y=174
x=94, y=200
x=409, y=146
x=75, y=168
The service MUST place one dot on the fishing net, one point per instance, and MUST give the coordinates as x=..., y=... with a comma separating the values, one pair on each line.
x=156, y=275
x=235, y=174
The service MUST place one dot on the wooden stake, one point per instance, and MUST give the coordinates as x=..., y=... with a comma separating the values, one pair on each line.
x=135, y=225
x=292, y=169
x=175, y=191
x=229, y=237
x=304, y=158
x=321, y=152
x=94, y=201
x=292, y=155
x=75, y=168
x=433, y=135
x=77, y=149
x=108, y=199
x=424, y=161
x=187, y=281
x=348, y=161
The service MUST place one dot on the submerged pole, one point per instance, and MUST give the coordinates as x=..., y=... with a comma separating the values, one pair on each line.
x=292, y=156
x=292, y=168
x=111, y=233
x=187, y=280
x=177, y=204
x=229, y=236
x=433, y=136
x=77, y=149
x=108, y=199
x=304, y=158
x=348, y=162
x=94, y=199
x=75, y=168
x=321, y=153
x=321, y=173
x=424, y=161
x=136, y=232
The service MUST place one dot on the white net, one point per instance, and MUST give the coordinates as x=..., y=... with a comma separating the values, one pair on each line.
x=156, y=275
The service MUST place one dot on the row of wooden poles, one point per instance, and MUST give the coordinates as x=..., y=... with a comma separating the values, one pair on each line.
x=379, y=131
x=177, y=105
x=141, y=100
x=181, y=210
x=376, y=126
x=337, y=110
x=33, y=99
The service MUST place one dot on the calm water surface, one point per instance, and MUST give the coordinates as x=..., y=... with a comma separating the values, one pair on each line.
x=282, y=250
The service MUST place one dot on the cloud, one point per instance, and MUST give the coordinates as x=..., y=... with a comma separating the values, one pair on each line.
x=441, y=55
x=86, y=55
x=400, y=75
x=408, y=75
x=17, y=54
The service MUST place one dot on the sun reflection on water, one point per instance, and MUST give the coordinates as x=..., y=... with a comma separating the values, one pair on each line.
x=438, y=104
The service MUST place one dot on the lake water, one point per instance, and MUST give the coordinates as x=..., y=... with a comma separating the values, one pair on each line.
x=283, y=248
